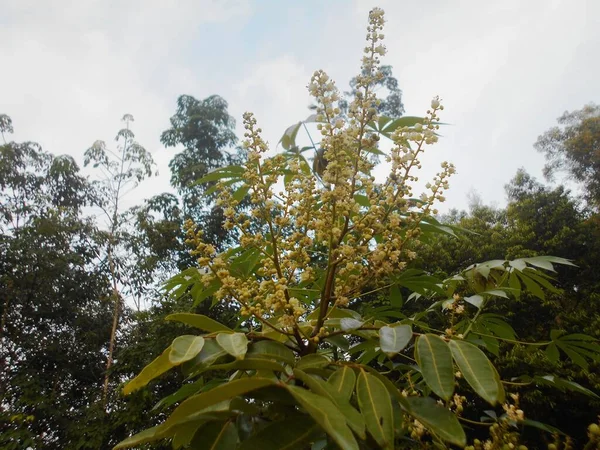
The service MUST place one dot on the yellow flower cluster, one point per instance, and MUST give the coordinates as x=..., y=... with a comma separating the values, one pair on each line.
x=331, y=233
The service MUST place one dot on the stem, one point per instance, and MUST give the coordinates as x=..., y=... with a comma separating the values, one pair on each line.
x=113, y=273
x=473, y=422
x=468, y=330
x=512, y=341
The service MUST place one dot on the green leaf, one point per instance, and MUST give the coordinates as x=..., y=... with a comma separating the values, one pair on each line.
x=319, y=387
x=251, y=364
x=339, y=341
x=241, y=192
x=142, y=437
x=327, y=415
x=271, y=350
x=349, y=324
x=292, y=433
x=475, y=300
x=181, y=394
x=198, y=321
x=437, y=419
x=393, y=339
x=342, y=382
x=203, y=294
x=236, y=344
x=478, y=371
x=376, y=408
x=362, y=200
x=541, y=426
x=185, y=348
x=565, y=385
x=210, y=353
x=545, y=262
x=193, y=406
x=532, y=286
x=216, y=436
x=552, y=353
x=435, y=360
x=185, y=433
x=312, y=361
x=391, y=387
x=156, y=368
x=396, y=297
x=235, y=172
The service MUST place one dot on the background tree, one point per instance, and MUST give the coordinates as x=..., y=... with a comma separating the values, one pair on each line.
x=574, y=147
x=53, y=299
x=120, y=171
x=538, y=220
x=388, y=90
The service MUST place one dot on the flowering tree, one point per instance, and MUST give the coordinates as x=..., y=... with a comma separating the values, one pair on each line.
x=303, y=367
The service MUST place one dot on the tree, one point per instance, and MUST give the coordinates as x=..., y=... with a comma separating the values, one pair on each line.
x=574, y=147
x=537, y=221
x=391, y=105
x=319, y=244
x=53, y=298
x=121, y=172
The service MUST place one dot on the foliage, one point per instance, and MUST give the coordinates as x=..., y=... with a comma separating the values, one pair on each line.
x=574, y=147
x=55, y=315
x=538, y=220
x=313, y=245
x=121, y=172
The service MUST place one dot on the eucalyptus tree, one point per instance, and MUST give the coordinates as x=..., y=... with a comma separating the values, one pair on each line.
x=120, y=171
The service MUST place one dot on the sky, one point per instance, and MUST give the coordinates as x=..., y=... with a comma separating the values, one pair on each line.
x=505, y=70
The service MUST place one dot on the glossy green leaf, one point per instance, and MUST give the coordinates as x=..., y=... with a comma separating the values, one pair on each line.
x=292, y=433
x=437, y=419
x=475, y=300
x=182, y=393
x=312, y=361
x=339, y=341
x=185, y=433
x=376, y=408
x=210, y=353
x=393, y=339
x=532, y=286
x=390, y=386
x=396, y=297
x=541, y=426
x=565, y=385
x=342, y=381
x=185, y=348
x=349, y=324
x=143, y=437
x=220, y=173
x=479, y=372
x=271, y=350
x=552, y=353
x=236, y=344
x=319, y=387
x=198, y=321
x=156, y=368
x=362, y=200
x=241, y=192
x=194, y=405
x=435, y=360
x=216, y=436
x=327, y=415
x=251, y=364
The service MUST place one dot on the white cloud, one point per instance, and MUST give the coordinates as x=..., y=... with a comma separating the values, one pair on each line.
x=505, y=70
x=71, y=69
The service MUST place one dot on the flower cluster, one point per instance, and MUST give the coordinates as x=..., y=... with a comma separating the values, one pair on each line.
x=317, y=239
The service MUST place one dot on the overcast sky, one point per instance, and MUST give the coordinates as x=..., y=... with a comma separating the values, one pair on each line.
x=505, y=70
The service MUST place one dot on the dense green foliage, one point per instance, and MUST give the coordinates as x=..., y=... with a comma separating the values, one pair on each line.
x=473, y=334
